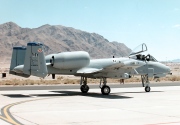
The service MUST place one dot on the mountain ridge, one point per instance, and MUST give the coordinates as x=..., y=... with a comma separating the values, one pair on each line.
x=57, y=38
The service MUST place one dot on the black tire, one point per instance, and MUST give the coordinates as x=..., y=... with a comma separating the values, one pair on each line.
x=84, y=88
x=147, y=89
x=105, y=90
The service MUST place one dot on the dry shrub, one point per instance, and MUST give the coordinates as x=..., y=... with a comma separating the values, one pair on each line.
x=92, y=81
x=133, y=79
x=71, y=81
x=62, y=80
x=157, y=80
x=170, y=78
x=6, y=70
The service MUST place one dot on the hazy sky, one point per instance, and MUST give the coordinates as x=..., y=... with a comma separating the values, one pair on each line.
x=132, y=22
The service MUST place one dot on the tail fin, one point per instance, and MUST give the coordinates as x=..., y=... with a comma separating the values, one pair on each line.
x=18, y=56
x=35, y=63
x=29, y=61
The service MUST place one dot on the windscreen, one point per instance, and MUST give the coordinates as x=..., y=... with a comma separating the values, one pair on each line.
x=151, y=58
x=139, y=49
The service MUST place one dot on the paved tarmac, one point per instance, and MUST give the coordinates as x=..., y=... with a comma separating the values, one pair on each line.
x=77, y=86
x=66, y=105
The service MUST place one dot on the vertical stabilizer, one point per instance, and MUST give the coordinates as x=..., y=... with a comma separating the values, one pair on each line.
x=18, y=57
x=35, y=63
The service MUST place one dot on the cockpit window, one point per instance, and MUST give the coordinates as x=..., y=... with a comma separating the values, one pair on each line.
x=140, y=57
x=144, y=58
x=151, y=58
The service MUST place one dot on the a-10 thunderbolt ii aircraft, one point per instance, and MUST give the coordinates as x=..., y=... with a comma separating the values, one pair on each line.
x=30, y=60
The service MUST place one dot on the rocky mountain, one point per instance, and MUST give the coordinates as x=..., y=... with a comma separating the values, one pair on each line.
x=58, y=38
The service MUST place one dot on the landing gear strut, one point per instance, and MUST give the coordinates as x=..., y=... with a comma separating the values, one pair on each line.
x=84, y=87
x=105, y=90
x=146, y=83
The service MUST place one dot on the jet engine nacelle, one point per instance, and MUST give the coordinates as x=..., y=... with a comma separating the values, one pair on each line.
x=69, y=60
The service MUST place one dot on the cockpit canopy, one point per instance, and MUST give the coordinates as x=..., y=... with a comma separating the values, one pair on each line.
x=137, y=53
x=139, y=49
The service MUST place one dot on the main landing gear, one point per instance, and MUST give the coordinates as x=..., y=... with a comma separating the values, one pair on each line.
x=146, y=83
x=84, y=87
x=105, y=90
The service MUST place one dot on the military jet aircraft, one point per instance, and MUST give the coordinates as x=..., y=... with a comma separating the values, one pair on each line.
x=30, y=60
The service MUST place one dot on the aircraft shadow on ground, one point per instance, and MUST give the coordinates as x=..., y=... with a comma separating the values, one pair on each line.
x=16, y=95
x=95, y=95
x=140, y=92
x=69, y=93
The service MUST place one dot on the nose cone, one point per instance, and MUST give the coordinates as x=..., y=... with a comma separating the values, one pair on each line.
x=166, y=69
x=160, y=68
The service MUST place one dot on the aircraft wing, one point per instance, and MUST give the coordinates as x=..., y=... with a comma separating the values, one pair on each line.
x=123, y=65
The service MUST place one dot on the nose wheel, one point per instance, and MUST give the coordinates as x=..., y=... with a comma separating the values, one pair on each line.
x=147, y=89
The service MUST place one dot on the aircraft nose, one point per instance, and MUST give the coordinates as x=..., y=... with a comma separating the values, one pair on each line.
x=163, y=68
x=167, y=69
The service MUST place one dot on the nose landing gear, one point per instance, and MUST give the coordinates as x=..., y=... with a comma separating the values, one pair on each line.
x=146, y=83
